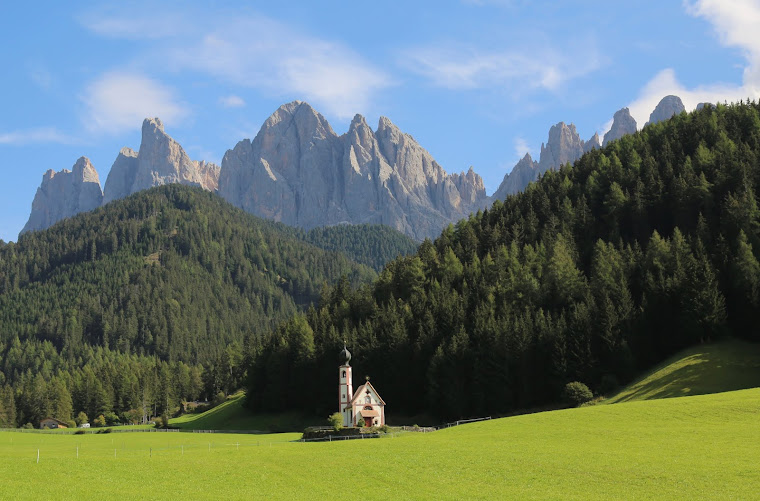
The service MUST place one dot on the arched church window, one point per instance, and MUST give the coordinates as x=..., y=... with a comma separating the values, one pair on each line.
x=368, y=399
x=344, y=373
x=367, y=407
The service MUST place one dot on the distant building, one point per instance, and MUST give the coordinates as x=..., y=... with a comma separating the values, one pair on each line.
x=365, y=404
x=52, y=423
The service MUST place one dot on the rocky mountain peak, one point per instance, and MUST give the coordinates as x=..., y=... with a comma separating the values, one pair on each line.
x=564, y=145
x=64, y=194
x=152, y=126
x=666, y=108
x=160, y=160
x=299, y=172
x=622, y=123
x=358, y=122
x=524, y=171
x=592, y=143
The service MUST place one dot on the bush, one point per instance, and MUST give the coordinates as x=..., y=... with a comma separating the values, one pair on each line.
x=361, y=423
x=79, y=432
x=28, y=426
x=132, y=416
x=577, y=393
x=111, y=418
x=99, y=421
x=81, y=419
x=384, y=428
x=336, y=421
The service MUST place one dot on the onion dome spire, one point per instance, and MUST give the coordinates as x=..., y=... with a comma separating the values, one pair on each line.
x=345, y=356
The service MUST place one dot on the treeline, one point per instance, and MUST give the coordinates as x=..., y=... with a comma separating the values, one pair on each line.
x=166, y=285
x=595, y=272
x=36, y=382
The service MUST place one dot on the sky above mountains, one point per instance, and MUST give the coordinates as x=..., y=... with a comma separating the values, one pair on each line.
x=476, y=82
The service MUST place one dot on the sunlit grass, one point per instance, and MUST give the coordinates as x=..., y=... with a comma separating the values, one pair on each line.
x=702, y=447
x=708, y=368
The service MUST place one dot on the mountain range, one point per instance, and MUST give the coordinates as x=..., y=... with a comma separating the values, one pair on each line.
x=298, y=171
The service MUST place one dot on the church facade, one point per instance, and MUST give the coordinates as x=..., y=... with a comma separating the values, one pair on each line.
x=364, y=404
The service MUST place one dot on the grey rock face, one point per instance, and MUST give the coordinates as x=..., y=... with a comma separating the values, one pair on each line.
x=64, y=194
x=297, y=170
x=161, y=160
x=622, y=124
x=564, y=146
x=666, y=108
x=592, y=143
x=523, y=173
x=703, y=105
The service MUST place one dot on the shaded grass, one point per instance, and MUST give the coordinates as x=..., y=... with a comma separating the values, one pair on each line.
x=702, y=447
x=231, y=415
x=709, y=368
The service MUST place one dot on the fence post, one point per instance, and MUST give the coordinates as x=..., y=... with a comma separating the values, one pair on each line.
x=38, y=456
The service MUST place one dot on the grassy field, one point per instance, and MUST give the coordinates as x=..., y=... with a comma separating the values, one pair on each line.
x=697, y=447
x=231, y=415
x=709, y=368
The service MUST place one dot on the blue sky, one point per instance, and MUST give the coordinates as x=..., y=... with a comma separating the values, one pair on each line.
x=476, y=82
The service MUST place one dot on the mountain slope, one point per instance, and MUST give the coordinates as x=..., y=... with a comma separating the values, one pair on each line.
x=173, y=271
x=371, y=245
x=597, y=271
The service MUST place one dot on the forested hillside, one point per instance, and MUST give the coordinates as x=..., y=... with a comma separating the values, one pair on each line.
x=598, y=270
x=373, y=245
x=110, y=306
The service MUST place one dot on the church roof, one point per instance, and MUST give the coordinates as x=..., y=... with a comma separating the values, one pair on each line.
x=360, y=390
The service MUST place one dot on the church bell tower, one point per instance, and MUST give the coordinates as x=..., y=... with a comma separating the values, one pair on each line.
x=345, y=386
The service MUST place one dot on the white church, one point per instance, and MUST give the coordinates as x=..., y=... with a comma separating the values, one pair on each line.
x=364, y=404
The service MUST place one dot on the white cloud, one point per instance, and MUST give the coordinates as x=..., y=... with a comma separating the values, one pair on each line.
x=254, y=52
x=232, y=101
x=736, y=24
x=521, y=148
x=516, y=69
x=118, y=101
x=111, y=22
x=36, y=135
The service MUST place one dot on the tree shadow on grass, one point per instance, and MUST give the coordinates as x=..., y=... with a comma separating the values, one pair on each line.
x=726, y=366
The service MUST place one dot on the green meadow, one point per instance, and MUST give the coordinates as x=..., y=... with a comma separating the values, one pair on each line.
x=231, y=415
x=678, y=448
x=727, y=365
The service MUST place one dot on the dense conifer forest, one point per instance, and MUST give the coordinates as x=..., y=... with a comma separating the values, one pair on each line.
x=595, y=272
x=154, y=298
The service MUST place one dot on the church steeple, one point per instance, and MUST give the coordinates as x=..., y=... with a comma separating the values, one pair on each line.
x=345, y=386
x=345, y=356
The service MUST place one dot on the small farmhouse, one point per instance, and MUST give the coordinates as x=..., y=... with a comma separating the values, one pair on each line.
x=365, y=404
x=52, y=423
